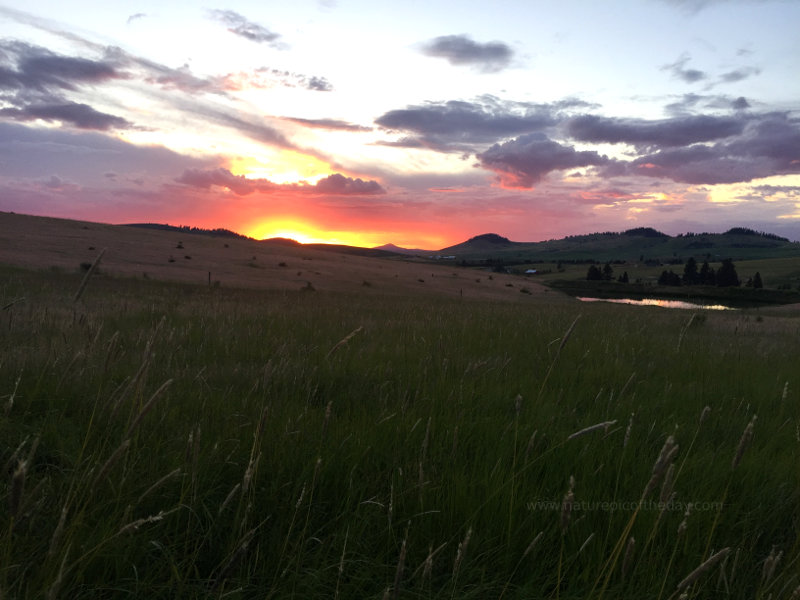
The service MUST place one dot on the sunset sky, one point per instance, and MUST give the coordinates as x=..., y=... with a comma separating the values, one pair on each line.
x=416, y=123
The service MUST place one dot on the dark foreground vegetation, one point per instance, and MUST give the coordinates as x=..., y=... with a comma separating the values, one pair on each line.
x=166, y=441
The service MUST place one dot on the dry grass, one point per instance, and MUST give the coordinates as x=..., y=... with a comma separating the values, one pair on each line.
x=43, y=243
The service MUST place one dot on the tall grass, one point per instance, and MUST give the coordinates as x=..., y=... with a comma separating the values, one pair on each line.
x=170, y=441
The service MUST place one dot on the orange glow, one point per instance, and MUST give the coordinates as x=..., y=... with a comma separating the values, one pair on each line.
x=286, y=166
x=308, y=233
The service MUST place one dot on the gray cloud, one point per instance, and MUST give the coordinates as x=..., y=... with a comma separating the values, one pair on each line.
x=338, y=184
x=319, y=84
x=461, y=50
x=769, y=145
x=453, y=126
x=668, y=132
x=524, y=161
x=247, y=29
x=739, y=74
x=238, y=184
x=690, y=102
x=135, y=17
x=679, y=71
x=33, y=83
x=81, y=116
x=335, y=184
x=27, y=67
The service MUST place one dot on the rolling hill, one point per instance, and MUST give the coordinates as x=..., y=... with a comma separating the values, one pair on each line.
x=641, y=244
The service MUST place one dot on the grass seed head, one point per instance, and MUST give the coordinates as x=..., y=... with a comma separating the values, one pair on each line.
x=17, y=488
x=628, y=560
x=567, y=504
x=744, y=441
x=628, y=432
x=770, y=565
x=462, y=549
x=705, y=566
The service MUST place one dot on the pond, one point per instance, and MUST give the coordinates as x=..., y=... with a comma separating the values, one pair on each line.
x=659, y=302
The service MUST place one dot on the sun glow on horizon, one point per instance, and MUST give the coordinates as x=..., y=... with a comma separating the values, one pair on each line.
x=308, y=233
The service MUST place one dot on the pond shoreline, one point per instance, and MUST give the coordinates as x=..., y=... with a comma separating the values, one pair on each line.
x=734, y=297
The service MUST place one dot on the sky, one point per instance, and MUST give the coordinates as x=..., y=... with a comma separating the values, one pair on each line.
x=417, y=123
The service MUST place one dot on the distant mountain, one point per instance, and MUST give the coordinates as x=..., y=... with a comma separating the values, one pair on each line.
x=399, y=250
x=279, y=241
x=487, y=242
x=640, y=244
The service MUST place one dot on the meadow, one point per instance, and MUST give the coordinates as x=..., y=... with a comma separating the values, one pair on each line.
x=168, y=440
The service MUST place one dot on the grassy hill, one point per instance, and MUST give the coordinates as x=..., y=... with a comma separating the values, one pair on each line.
x=637, y=245
x=206, y=258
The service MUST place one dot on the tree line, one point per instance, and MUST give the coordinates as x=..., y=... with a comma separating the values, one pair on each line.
x=724, y=276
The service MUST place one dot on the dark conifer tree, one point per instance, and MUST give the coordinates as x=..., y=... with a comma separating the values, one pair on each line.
x=690, y=274
x=726, y=275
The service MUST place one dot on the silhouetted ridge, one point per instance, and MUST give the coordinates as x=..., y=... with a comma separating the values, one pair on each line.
x=491, y=238
x=753, y=232
x=648, y=232
x=218, y=232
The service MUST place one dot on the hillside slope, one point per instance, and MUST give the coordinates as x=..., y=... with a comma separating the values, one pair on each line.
x=65, y=245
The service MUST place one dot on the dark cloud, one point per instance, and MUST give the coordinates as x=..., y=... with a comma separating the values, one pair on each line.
x=34, y=81
x=460, y=50
x=335, y=184
x=338, y=184
x=668, y=132
x=524, y=161
x=33, y=68
x=452, y=126
x=81, y=116
x=679, y=71
x=238, y=184
x=769, y=145
x=241, y=26
x=329, y=124
x=740, y=103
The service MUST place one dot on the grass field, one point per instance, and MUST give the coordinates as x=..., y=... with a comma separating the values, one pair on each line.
x=164, y=440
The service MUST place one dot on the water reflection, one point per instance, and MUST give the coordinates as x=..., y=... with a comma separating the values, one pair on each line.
x=658, y=302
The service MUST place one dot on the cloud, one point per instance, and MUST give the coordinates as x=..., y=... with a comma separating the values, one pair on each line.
x=265, y=78
x=680, y=131
x=449, y=126
x=81, y=116
x=524, y=161
x=679, y=71
x=338, y=184
x=27, y=67
x=334, y=185
x=739, y=74
x=34, y=81
x=459, y=50
x=135, y=17
x=249, y=30
x=690, y=102
x=329, y=124
x=319, y=84
x=87, y=156
x=220, y=177
x=769, y=145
